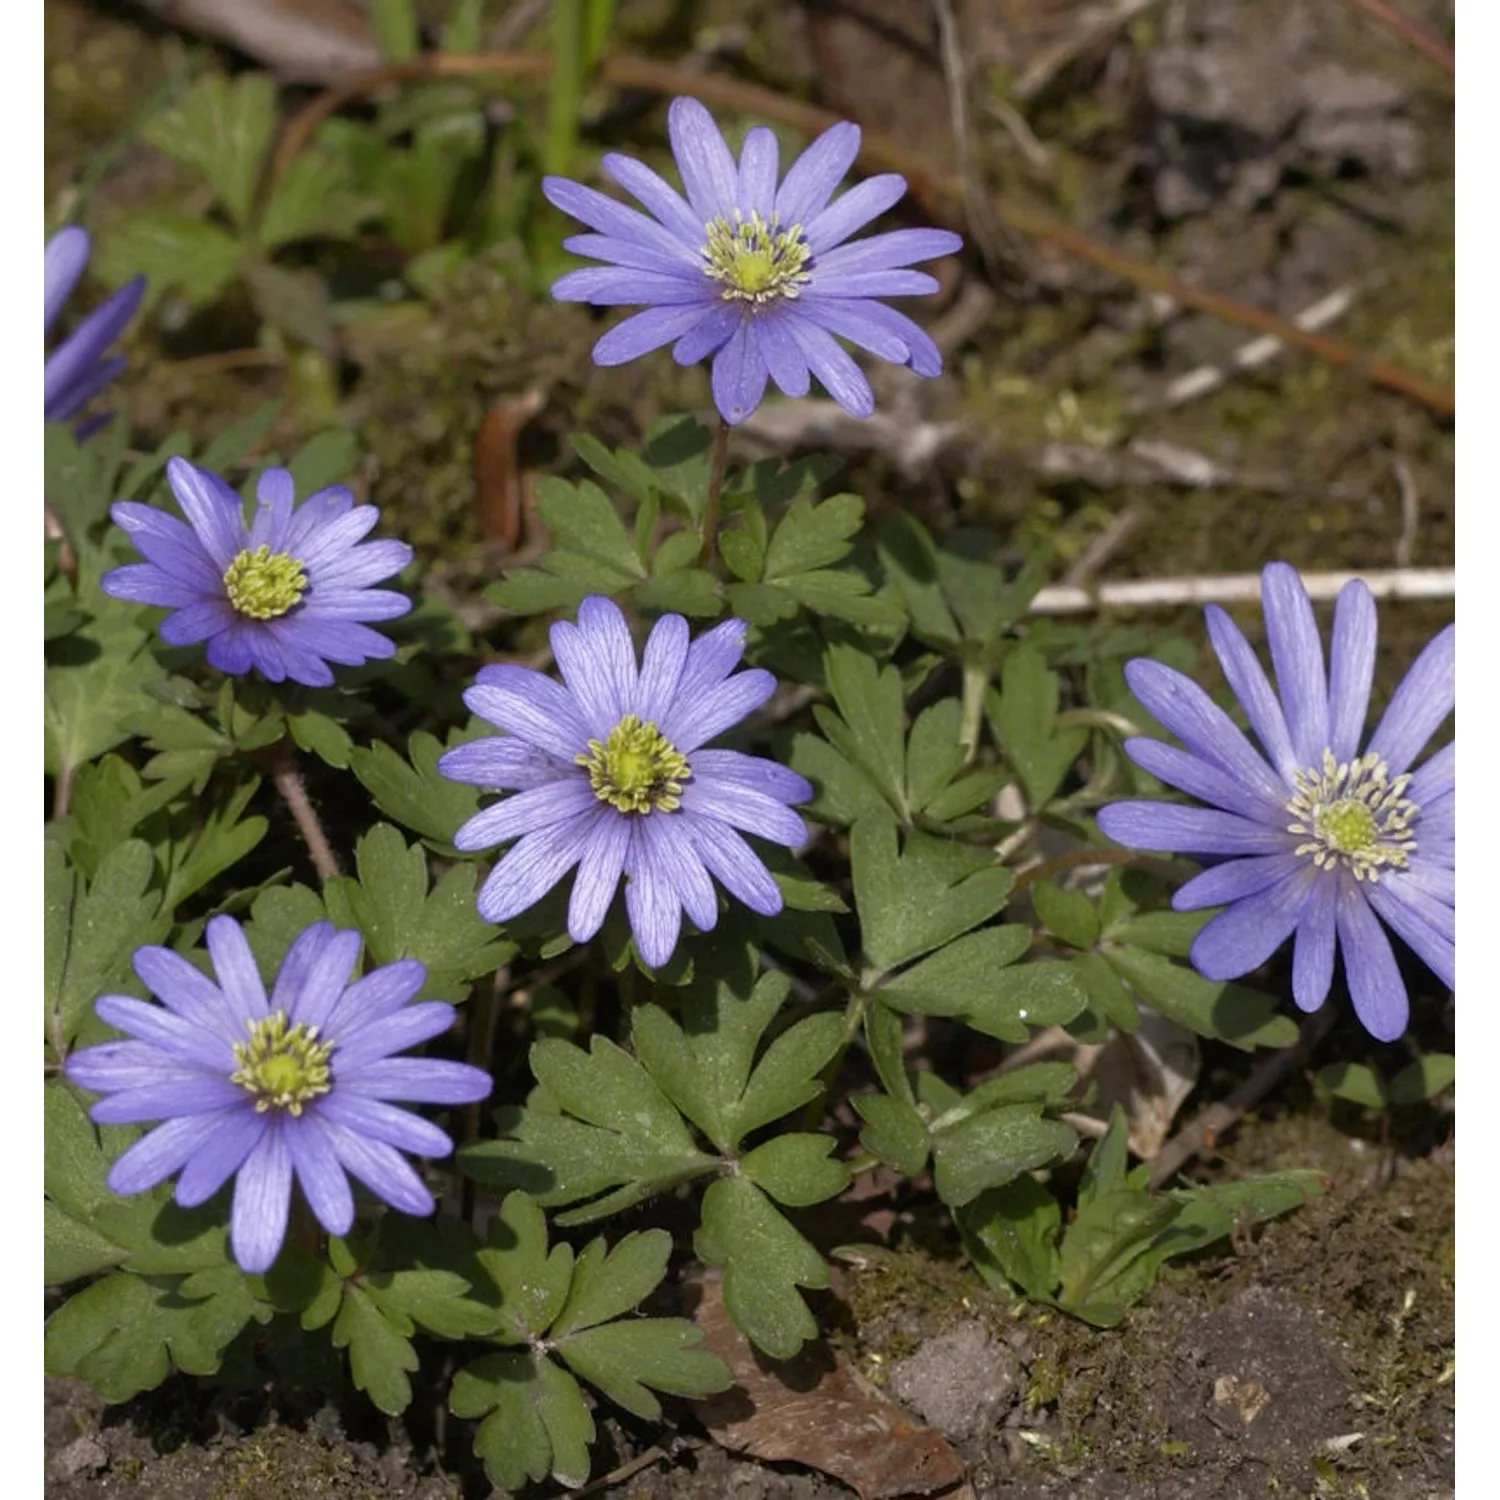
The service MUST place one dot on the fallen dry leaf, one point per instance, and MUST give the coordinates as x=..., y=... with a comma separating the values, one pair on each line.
x=815, y=1410
x=498, y=477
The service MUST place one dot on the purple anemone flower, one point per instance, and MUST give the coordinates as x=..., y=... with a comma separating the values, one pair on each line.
x=756, y=273
x=1311, y=835
x=609, y=775
x=264, y=1089
x=285, y=595
x=77, y=370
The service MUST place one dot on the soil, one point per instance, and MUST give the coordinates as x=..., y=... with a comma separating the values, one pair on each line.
x=1273, y=151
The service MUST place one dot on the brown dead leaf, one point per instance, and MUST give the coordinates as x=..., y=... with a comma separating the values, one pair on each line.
x=497, y=468
x=815, y=1410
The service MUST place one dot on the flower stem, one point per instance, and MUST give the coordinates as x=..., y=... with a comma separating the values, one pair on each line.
x=289, y=783
x=710, y=527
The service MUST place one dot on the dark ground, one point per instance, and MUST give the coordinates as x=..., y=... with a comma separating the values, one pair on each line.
x=1275, y=151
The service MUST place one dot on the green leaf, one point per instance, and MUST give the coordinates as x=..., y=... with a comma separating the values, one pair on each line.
x=623, y=1359
x=533, y=1283
x=1109, y=1000
x=844, y=595
x=390, y=905
x=223, y=128
x=114, y=916
x=582, y=519
x=311, y=200
x=232, y=444
x=1108, y=1161
x=174, y=253
x=1114, y=1229
x=321, y=736
x=381, y=1356
x=706, y=1067
x=607, y=1283
x=221, y=840
x=277, y=917
x=80, y=480
x=872, y=733
x=1010, y=1233
x=894, y=1131
x=93, y=685
x=689, y=591
x=1423, y=1079
x=1023, y=716
x=620, y=1133
x=413, y=793
x=843, y=792
x=677, y=449
x=764, y=1261
x=796, y=1169
x=1232, y=1013
x=539, y=1423
x=1069, y=915
x=991, y=1148
x=812, y=535
x=929, y=894
x=295, y=302
x=326, y=458
x=622, y=468
x=1356, y=1082
x=934, y=755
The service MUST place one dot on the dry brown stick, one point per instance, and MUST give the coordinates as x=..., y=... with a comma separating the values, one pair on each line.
x=1270, y=1071
x=1417, y=37
x=288, y=782
x=929, y=186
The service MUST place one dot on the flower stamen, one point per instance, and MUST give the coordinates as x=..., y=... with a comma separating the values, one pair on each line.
x=283, y=1066
x=263, y=584
x=637, y=768
x=753, y=260
x=1355, y=815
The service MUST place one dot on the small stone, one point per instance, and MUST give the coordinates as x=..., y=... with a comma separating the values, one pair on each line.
x=82, y=1456
x=961, y=1382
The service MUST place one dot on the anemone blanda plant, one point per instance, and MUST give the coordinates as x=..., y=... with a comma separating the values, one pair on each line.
x=286, y=595
x=77, y=370
x=1312, y=836
x=608, y=773
x=264, y=1089
x=753, y=271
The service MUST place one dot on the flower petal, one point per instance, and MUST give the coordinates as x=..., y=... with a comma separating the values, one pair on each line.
x=320, y=1173
x=226, y=1142
x=831, y=363
x=751, y=770
x=621, y=286
x=745, y=808
x=535, y=708
x=1233, y=881
x=651, y=901
x=379, y=1121
x=670, y=251
x=782, y=353
x=812, y=178
x=1187, y=830
x=420, y=1080
x=662, y=662
x=1421, y=925
x=382, y=1169
x=598, y=877
x=1421, y=703
x=656, y=195
x=502, y=763
x=739, y=374
x=1189, y=713
x=885, y=252
x=1312, y=954
x=525, y=812
x=1351, y=668
x=708, y=171
x=156, y=1156
x=694, y=722
x=1297, y=656
x=642, y=332
x=212, y=509
x=755, y=190
x=262, y=1198
x=1208, y=783
x=532, y=866
x=674, y=853
x=731, y=861
x=1375, y=983
x=1245, y=935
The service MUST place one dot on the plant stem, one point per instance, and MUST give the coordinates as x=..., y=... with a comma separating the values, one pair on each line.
x=710, y=529
x=289, y=783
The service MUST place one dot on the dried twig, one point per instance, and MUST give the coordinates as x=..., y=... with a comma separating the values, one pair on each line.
x=932, y=188
x=1237, y=588
x=1413, y=35
x=303, y=41
x=1202, y=1133
x=1406, y=543
x=1208, y=378
x=1093, y=27
x=1104, y=546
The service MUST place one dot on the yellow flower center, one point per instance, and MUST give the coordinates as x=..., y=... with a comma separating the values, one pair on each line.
x=636, y=768
x=755, y=261
x=264, y=584
x=282, y=1066
x=1353, y=814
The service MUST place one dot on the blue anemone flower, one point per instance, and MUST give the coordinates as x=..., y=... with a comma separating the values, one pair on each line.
x=754, y=272
x=609, y=773
x=264, y=1089
x=285, y=595
x=1312, y=836
x=77, y=369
